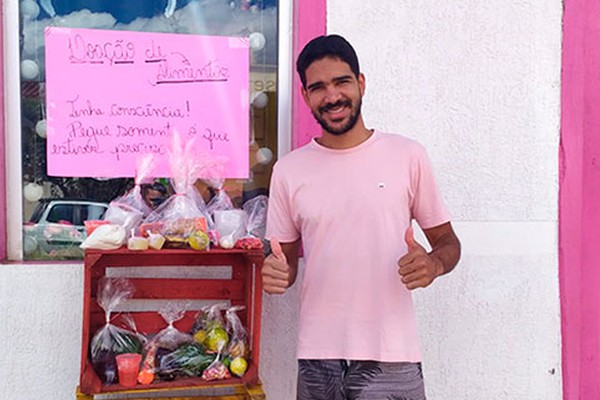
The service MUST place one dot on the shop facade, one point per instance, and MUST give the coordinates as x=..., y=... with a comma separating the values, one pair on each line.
x=503, y=97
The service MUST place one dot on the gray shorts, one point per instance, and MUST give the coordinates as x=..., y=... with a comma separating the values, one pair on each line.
x=359, y=380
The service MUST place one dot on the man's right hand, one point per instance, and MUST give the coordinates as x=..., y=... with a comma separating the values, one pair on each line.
x=276, y=272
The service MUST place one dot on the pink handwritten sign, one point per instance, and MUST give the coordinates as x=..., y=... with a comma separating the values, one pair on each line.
x=113, y=96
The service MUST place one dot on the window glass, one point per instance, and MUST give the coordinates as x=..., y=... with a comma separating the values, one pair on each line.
x=62, y=213
x=92, y=212
x=254, y=19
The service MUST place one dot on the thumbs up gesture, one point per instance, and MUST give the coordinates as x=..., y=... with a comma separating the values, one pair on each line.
x=276, y=272
x=417, y=267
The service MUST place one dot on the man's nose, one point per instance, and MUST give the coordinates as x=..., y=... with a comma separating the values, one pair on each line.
x=332, y=94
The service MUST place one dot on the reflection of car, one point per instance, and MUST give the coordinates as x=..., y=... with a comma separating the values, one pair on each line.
x=58, y=224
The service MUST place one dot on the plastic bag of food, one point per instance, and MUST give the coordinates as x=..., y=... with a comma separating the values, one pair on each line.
x=212, y=172
x=209, y=328
x=230, y=226
x=184, y=212
x=111, y=340
x=216, y=370
x=238, y=343
x=170, y=337
x=165, y=342
x=187, y=360
x=129, y=209
x=105, y=237
x=256, y=227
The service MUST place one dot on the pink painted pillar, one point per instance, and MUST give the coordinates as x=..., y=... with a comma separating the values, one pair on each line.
x=2, y=141
x=309, y=21
x=579, y=201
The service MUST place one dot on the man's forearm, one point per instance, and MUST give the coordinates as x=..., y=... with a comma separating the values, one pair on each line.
x=447, y=252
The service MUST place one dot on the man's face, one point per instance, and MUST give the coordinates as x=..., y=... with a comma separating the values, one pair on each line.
x=333, y=94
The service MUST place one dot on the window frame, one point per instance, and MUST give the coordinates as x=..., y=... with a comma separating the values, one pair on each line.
x=11, y=239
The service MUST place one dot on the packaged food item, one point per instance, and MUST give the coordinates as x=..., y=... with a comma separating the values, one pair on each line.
x=170, y=337
x=137, y=242
x=110, y=340
x=185, y=211
x=256, y=226
x=209, y=328
x=212, y=172
x=238, y=344
x=230, y=226
x=216, y=370
x=105, y=237
x=155, y=240
x=187, y=360
x=130, y=209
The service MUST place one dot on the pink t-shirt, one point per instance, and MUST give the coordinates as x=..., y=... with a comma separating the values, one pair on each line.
x=351, y=208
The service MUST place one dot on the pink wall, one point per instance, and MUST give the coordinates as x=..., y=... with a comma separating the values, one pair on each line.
x=2, y=141
x=309, y=21
x=579, y=200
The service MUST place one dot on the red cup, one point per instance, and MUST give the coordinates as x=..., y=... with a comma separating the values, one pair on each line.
x=128, y=365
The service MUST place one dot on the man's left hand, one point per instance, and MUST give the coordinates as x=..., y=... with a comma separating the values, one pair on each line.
x=417, y=267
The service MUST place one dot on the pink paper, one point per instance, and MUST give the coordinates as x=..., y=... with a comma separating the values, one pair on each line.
x=113, y=96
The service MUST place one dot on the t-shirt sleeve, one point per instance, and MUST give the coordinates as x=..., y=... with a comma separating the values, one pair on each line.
x=427, y=205
x=280, y=221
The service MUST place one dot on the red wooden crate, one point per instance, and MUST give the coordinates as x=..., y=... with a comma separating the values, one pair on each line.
x=244, y=288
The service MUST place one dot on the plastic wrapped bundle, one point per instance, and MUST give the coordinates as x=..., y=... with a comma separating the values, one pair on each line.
x=130, y=209
x=110, y=340
x=256, y=227
x=184, y=212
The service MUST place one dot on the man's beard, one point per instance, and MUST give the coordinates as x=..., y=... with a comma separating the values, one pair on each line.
x=354, y=115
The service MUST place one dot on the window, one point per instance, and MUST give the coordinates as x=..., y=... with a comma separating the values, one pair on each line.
x=30, y=185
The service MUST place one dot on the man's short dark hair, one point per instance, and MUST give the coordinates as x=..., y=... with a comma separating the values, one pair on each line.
x=333, y=46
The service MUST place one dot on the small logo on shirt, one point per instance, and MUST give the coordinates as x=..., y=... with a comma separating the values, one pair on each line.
x=381, y=185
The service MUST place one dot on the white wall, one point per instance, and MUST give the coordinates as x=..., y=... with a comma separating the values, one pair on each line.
x=478, y=83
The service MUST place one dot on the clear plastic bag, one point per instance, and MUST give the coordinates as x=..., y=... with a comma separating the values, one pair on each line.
x=209, y=327
x=188, y=360
x=111, y=340
x=256, y=227
x=185, y=211
x=170, y=337
x=212, y=172
x=238, y=343
x=230, y=226
x=105, y=237
x=129, y=209
x=216, y=370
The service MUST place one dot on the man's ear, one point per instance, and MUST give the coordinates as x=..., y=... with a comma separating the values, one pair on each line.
x=362, y=83
x=305, y=95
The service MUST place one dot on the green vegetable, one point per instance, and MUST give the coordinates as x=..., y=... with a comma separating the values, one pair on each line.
x=189, y=359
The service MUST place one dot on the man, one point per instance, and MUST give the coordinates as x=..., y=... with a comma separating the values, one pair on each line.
x=350, y=196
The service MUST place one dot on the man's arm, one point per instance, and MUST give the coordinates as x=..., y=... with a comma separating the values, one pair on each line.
x=281, y=266
x=445, y=246
x=419, y=268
